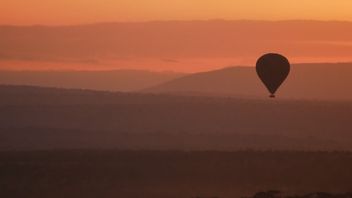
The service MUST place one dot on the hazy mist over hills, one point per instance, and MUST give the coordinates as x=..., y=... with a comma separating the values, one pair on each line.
x=116, y=80
x=98, y=52
x=318, y=81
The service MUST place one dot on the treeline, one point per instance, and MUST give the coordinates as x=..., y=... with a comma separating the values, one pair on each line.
x=171, y=174
x=278, y=194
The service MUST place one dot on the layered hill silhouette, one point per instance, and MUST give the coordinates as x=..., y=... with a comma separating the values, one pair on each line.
x=117, y=80
x=45, y=118
x=313, y=81
x=318, y=81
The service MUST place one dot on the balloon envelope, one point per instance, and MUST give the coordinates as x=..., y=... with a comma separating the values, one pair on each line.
x=273, y=70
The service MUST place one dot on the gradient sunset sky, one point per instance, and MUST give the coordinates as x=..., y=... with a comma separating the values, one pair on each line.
x=179, y=35
x=55, y=12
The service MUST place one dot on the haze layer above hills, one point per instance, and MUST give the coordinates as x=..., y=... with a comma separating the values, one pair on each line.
x=321, y=81
x=171, y=45
x=117, y=80
x=41, y=118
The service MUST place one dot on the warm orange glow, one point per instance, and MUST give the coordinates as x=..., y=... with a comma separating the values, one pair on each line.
x=90, y=11
x=187, y=40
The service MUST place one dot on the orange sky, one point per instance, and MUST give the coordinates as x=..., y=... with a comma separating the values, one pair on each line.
x=186, y=46
x=55, y=12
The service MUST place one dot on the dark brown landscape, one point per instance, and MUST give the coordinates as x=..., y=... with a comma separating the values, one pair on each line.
x=171, y=174
x=69, y=143
x=45, y=118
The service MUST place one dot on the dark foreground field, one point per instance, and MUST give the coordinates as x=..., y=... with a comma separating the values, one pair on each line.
x=154, y=174
x=33, y=118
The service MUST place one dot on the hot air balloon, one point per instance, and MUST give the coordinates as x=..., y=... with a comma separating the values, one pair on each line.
x=273, y=70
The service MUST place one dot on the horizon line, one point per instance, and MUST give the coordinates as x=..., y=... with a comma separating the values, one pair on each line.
x=173, y=20
x=156, y=71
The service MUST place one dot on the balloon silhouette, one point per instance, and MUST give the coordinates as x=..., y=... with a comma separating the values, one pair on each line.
x=273, y=70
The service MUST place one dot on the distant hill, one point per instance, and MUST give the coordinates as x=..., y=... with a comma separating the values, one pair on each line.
x=320, y=81
x=117, y=80
x=44, y=118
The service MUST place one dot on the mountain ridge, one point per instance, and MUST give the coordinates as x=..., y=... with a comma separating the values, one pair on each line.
x=109, y=80
x=320, y=81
